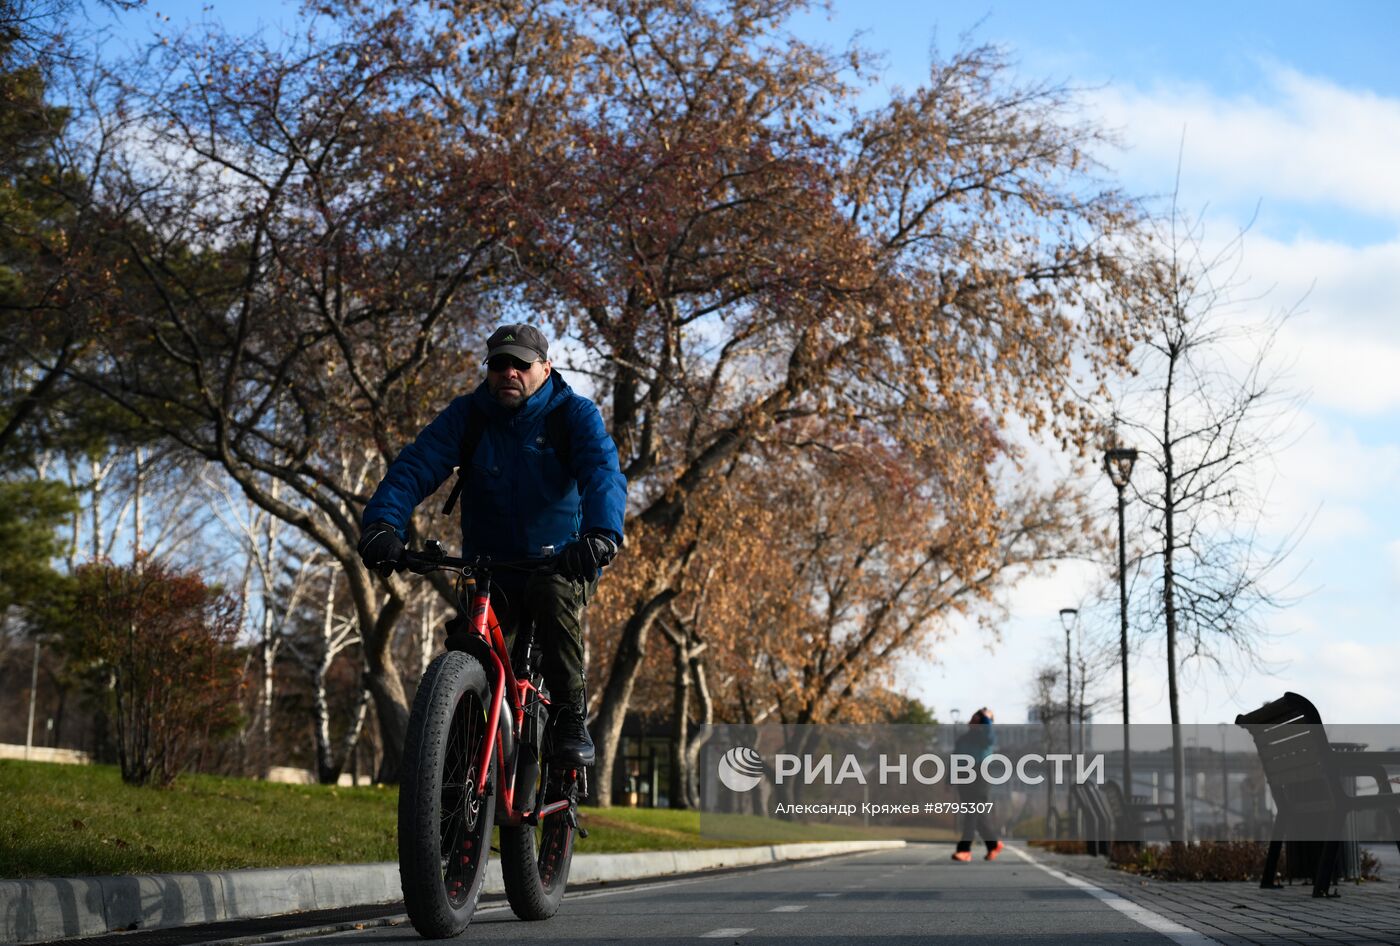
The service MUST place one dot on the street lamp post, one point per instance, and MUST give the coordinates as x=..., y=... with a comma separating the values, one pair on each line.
x=1067, y=619
x=1224, y=782
x=1118, y=461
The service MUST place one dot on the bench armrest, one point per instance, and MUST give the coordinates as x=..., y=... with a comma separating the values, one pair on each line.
x=1365, y=761
x=1383, y=802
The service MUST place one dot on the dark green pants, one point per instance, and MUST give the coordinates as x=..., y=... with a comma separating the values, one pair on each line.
x=555, y=605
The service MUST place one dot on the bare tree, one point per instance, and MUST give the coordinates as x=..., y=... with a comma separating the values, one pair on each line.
x=690, y=694
x=1209, y=411
x=337, y=634
x=264, y=543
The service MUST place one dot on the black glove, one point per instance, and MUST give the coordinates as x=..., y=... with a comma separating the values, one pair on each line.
x=380, y=548
x=581, y=560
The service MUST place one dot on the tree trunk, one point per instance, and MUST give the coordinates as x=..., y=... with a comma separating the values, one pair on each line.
x=700, y=734
x=390, y=703
x=329, y=763
x=20, y=411
x=680, y=719
x=270, y=646
x=138, y=522
x=622, y=678
x=98, y=475
x=687, y=678
x=1169, y=610
x=381, y=673
x=246, y=734
x=74, y=540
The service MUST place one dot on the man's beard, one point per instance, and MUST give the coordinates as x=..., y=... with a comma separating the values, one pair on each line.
x=518, y=396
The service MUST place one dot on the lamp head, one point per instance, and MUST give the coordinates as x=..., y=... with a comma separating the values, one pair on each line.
x=1118, y=461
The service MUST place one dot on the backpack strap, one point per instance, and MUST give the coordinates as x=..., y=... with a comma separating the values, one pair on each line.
x=471, y=439
x=560, y=437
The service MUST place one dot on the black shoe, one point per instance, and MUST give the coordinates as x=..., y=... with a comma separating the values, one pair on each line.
x=572, y=744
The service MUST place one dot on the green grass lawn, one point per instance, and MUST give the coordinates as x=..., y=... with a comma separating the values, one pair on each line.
x=65, y=820
x=71, y=820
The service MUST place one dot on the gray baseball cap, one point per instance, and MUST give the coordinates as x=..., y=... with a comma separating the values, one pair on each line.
x=521, y=341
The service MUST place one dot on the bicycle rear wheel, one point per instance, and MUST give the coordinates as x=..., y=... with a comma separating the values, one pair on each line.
x=535, y=860
x=444, y=827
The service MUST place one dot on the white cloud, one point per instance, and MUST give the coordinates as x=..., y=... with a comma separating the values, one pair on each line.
x=1336, y=285
x=1349, y=681
x=1331, y=475
x=1040, y=597
x=1343, y=344
x=1312, y=141
x=1350, y=373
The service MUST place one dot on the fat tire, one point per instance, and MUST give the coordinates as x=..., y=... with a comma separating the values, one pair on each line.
x=535, y=864
x=440, y=895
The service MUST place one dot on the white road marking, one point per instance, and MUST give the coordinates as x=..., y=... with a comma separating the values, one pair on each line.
x=791, y=909
x=1172, y=930
x=726, y=933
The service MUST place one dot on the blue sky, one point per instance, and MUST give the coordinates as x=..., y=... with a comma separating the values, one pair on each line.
x=1289, y=107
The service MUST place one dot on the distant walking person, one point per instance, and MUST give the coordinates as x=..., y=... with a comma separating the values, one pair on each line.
x=978, y=742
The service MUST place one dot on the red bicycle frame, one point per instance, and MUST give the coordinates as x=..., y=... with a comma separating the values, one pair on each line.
x=520, y=692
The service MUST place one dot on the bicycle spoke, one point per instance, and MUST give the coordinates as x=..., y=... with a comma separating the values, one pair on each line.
x=460, y=805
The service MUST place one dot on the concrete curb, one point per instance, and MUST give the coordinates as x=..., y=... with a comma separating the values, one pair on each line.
x=51, y=908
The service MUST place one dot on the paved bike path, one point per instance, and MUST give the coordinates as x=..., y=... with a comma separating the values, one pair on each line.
x=891, y=898
x=940, y=901
x=47, y=909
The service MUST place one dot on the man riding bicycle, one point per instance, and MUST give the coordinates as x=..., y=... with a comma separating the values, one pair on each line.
x=537, y=469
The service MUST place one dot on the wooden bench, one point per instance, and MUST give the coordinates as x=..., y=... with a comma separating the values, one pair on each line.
x=1097, y=825
x=1109, y=819
x=1136, y=816
x=1312, y=782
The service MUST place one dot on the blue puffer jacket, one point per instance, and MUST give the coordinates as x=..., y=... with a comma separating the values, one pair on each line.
x=517, y=497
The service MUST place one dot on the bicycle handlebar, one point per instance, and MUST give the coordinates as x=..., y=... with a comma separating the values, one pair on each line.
x=432, y=559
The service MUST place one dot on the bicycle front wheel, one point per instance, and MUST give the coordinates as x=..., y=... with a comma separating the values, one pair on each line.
x=444, y=824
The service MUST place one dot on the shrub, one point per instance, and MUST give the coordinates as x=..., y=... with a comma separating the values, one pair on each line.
x=1211, y=860
x=1216, y=860
x=157, y=647
x=1061, y=846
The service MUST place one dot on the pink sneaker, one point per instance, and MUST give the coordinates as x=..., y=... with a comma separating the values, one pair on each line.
x=963, y=856
x=992, y=854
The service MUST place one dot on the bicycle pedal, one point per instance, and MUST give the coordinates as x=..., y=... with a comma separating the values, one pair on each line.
x=582, y=831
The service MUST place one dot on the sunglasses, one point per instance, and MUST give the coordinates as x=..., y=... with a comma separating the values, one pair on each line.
x=502, y=363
